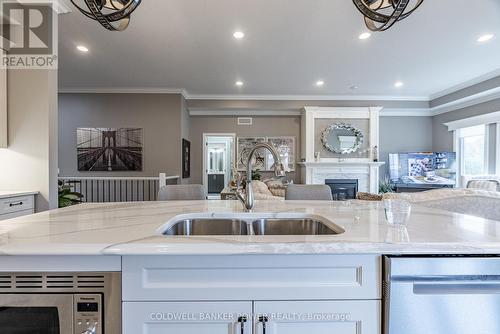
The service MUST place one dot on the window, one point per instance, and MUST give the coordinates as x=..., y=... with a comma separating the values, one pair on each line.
x=473, y=150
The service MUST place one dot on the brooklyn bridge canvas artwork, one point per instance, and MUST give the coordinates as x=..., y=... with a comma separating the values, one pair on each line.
x=109, y=149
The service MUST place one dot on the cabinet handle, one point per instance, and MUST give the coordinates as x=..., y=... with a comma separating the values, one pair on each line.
x=242, y=321
x=263, y=320
x=16, y=204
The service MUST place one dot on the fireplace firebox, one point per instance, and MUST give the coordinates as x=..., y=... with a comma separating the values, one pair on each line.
x=343, y=189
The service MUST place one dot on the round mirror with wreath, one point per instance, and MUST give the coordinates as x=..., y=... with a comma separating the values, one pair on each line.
x=342, y=138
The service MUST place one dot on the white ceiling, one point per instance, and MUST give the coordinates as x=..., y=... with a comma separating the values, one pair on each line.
x=289, y=45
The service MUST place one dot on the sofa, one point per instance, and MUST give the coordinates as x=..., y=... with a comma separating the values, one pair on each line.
x=486, y=182
x=269, y=189
x=474, y=202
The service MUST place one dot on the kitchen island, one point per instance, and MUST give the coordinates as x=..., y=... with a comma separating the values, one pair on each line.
x=132, y=229
x=240, y=283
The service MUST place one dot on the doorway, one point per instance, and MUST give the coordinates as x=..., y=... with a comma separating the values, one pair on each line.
x=218, y=157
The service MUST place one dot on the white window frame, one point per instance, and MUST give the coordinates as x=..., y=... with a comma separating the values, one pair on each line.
x=497, y=142
x=485, y=119
x=458, y=148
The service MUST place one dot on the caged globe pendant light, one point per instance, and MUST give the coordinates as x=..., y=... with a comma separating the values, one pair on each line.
x=111, y=14
x=380, y=15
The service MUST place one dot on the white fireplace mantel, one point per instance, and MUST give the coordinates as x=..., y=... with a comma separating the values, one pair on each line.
x=311, y=114
x=367, y=173
x=365, y=170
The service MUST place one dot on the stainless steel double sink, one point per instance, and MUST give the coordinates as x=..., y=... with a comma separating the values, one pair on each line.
x=253, y=225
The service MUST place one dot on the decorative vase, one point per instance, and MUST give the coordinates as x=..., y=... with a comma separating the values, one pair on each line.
x=375, y=153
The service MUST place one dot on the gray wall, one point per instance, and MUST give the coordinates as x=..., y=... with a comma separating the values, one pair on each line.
x=397, y=134
x=404, y=134
x=361, y=124
x=160, y=115
x=166, y=121
x=262, y=126
x=30, y=161
x=468, y=91
x=442, y=138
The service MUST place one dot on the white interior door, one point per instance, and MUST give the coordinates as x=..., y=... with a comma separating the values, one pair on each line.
x=318, y=317
x=218, y=157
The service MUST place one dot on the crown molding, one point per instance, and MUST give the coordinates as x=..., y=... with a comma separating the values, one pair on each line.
x=386, y=112
x=490, y=118
x=468, y=101
x=466, y=84
x=243, y=112
x=62, y=6
x=406, y=112
x=465, y=102
x=59, y=6
x=115, y=90
x=307, y=97
x=188, y=96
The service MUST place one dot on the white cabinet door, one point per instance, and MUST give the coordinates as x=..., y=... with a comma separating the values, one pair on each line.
x=318, y=317
x=187, y=318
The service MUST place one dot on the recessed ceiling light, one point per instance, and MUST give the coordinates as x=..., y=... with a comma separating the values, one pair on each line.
x=320, y=83
x=365, y=35
x=353, y=87
x=239, y=34
x=82, y=48
x=398, y=84
x=239, y=83
x=485, y=38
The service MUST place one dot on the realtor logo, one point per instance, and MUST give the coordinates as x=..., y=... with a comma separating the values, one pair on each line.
x=30, y=31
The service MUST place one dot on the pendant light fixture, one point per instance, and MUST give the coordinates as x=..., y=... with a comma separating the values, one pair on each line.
x=111, y=14
x=380, y=15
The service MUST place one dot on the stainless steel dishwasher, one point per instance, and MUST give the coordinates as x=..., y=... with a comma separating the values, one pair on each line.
x=442, y=295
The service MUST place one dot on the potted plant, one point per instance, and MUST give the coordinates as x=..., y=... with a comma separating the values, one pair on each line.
x=386, y=186
x=256, y=176
x=67, y=197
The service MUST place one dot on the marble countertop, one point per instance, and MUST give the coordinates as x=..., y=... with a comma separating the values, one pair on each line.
x=8, y=194
x=132, y=228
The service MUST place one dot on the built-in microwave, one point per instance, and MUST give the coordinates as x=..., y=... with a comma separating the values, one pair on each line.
x=60, y=303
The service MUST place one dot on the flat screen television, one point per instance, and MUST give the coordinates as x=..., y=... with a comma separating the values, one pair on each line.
x=439, y=168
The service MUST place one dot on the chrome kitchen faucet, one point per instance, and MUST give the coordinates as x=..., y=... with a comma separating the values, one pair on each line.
x=247, y=199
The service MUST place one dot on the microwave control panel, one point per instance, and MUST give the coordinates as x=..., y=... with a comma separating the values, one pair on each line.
x=88, y=314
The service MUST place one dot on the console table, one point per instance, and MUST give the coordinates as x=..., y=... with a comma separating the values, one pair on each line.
x=228, y=194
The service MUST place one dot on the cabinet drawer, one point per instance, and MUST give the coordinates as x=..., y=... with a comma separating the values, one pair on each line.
x=251, y=277
x=320, y=317
x=16, y=214
x=186, y=318
x=15, y=204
